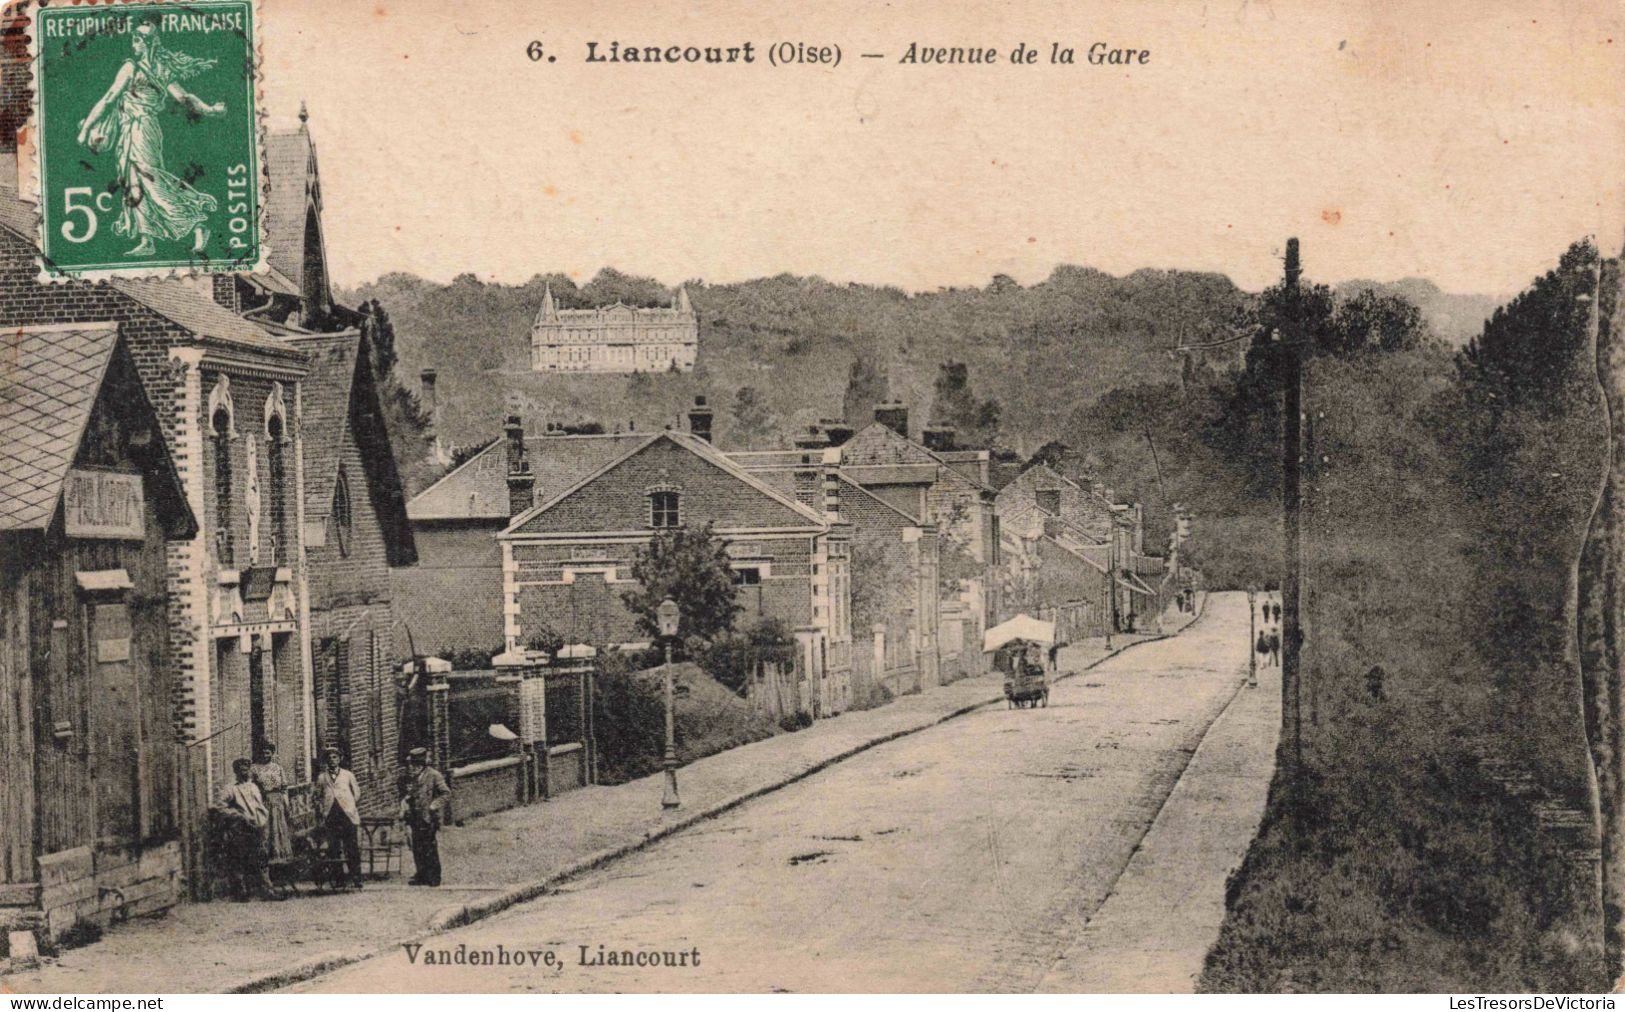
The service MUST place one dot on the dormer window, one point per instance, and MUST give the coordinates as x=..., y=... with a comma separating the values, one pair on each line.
x=665, y=508
x=1049, y=500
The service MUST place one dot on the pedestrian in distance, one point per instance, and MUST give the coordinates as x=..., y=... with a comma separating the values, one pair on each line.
x=1275, y=648
x=423, y=800
x=1263, y=646
x=338, y=806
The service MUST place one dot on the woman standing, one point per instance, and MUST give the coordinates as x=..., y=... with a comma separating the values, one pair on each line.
x=157, y=203
x=272, y=780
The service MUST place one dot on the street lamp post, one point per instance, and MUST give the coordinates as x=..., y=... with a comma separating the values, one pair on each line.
x=669, y=618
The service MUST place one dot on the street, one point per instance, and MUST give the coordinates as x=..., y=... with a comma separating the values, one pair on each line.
x=967, y=857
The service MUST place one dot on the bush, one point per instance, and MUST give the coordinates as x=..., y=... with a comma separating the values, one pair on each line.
x=795, y=721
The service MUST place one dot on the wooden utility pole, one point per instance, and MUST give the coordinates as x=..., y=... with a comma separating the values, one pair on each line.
x=1291, y=340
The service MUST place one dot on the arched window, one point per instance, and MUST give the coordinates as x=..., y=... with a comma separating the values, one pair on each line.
x=343, y=517
x=223, y=542
x=276, y=451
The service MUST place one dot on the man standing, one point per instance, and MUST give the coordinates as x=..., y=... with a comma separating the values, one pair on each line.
x=423, y=797
x=242, y=817
x=338, y=806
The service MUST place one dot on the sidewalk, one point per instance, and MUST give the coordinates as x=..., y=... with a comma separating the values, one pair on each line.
x=490, y=864
x=1152, y=933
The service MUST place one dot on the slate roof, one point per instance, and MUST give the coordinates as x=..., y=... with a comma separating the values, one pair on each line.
x=337, y=397
x=48, y=389
x=325, y=404
x=288, y=155
x=478, y=489
x=181, y=302
x=45, y=400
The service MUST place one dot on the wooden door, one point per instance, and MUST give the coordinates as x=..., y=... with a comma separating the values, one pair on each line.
x=115, y=759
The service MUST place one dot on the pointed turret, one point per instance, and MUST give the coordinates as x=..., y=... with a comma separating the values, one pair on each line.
x=549, y=312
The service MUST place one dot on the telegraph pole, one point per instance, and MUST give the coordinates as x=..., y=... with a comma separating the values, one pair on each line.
x=1291, y=508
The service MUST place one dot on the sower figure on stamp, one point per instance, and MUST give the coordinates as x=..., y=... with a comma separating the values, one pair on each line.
x=338, y=807
x=241, y=816
x=157, y=203
x=423, y=797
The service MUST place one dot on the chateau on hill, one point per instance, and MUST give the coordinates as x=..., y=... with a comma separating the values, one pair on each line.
x=615, y=338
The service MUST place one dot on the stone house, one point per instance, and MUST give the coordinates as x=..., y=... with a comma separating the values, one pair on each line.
x=90, y=504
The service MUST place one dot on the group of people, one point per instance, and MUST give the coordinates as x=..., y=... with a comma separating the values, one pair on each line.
x=1269, y=639
x=255, y=833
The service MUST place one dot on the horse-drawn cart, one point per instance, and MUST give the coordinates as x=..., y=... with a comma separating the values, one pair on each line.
x=1020, y=649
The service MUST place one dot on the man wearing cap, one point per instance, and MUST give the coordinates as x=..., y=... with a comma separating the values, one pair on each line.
x=423, y=797
x=242, y=816
x=338, y=809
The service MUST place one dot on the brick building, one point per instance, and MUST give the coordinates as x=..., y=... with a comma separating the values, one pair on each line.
x=227, y=396
x=355, y=529
x=90, y=504
x=451, y=601
x=566, y=561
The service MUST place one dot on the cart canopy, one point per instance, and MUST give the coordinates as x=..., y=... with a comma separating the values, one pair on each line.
x=1022, y=627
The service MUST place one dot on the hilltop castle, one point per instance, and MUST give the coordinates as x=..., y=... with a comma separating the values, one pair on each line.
x=614, y=338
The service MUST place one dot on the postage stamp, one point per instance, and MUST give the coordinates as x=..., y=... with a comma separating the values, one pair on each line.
x=148, y=140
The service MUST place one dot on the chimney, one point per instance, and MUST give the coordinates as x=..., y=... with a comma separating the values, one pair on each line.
x=830, y=474
x=938, y=437
x=812, y=439
x=894, y=416
x=521, y=482
x=838, y=433
x=699, y=419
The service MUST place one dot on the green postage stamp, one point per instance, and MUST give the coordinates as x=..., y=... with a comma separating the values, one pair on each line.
x=148, y=138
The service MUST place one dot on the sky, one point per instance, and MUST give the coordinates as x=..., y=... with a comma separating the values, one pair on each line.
x=1466, y=142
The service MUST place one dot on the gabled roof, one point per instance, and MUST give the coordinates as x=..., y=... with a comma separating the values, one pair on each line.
x=339, y=395
x=700, y=448
x=291, y=160
x=48, y=389
x=909, y=453
x=478, y=488
x=852, y=488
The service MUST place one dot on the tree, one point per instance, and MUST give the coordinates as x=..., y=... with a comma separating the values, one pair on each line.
x=1370, y=321
x=404, y=418
x=691, y=567
x=752, y=417
x=954, y=402
x=866, y=386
